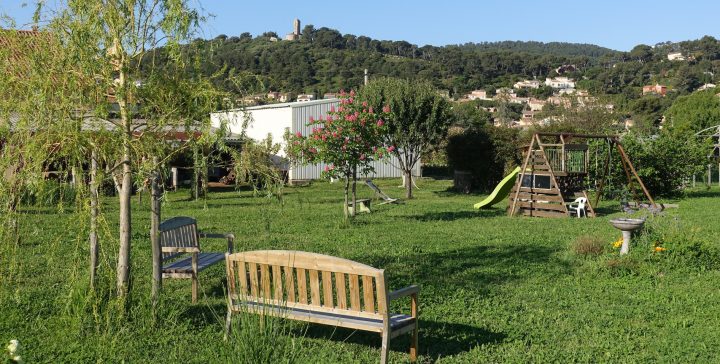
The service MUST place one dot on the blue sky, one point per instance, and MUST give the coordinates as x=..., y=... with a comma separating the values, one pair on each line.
x=610, y=23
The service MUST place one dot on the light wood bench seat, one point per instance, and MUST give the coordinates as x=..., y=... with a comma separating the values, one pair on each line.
x=319, y=289
x=181, y=254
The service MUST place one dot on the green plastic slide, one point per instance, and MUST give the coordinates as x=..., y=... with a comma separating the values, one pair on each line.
x=500, y=192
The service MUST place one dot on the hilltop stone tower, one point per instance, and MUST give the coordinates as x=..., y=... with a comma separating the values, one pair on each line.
x=295, y=35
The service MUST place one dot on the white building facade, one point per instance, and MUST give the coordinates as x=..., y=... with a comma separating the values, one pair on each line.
x=560, y=82
x=276, y=119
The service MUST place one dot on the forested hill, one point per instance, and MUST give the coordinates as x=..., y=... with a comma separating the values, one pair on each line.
x=554, y=48
x=324, y=60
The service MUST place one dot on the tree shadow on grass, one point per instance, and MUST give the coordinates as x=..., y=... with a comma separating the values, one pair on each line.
x=703, y=193
x=451, y=192
x=457, y=215
x=480, y=269
x=607, y=210
x=436, y=339
x=204, y=314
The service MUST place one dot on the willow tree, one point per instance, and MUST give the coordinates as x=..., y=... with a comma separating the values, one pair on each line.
x=109, y=41
x=419, y=118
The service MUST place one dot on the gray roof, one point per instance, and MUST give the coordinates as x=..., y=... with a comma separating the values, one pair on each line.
x=293, y=105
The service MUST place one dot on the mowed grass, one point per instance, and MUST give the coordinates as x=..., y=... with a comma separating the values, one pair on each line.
x=493, y=288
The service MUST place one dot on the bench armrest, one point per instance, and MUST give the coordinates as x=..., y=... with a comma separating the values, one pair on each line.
x=180, y=249
x=230, y=238
x=404, y=292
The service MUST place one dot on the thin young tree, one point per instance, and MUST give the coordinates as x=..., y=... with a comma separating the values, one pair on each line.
x=346, y=140
x=419, y=118
x=109, y=41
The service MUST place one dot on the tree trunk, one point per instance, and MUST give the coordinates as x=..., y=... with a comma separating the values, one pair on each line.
x=155, y=235
x=196, y=176
x=407, y=161
x=204, y=174
x=94, y=196
x=347, y=185
x=408, y=183
x=123, y=266
x=354, y=194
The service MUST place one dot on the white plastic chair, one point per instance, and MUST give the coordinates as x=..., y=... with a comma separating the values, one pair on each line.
x=578, y=206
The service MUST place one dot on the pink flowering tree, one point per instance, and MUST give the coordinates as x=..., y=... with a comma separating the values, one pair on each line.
x=347, y=140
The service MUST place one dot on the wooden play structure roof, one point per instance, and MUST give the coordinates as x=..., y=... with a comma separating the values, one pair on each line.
x=554, y=173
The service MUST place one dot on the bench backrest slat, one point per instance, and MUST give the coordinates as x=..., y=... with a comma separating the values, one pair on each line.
x=301, y=276
x=178, y=232
x=368, y=293
x=341, y=291
x=354, y=292
x=307, y=281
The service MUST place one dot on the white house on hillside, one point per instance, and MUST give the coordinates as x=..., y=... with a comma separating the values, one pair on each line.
x=527, y=84
x=676, y=56
x=478, y=95
x=560, y=82
x=276, y=119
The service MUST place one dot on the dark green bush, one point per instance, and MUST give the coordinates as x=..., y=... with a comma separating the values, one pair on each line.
x=664, y=162
x=486, y=152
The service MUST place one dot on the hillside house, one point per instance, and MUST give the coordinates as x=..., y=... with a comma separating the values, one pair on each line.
x=527, y=84
x=560, y=82
x=676, y=56
x=706, y=86
x=478, y=95
x=565, y=69
x=536, y=104
x=305, y=97
x=656, y=89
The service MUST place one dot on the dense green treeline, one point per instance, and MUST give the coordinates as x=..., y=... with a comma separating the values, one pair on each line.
x=325, y=60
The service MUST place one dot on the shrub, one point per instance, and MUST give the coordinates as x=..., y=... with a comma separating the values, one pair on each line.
x=588, y=245
x=673, y=245
x=663, y=162
x=486, y=152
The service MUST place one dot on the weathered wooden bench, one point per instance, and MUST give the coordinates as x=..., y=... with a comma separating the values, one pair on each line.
x=319, y=289
x=180, y=247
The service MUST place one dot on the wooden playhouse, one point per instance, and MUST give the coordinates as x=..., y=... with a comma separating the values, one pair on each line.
x=555, y=173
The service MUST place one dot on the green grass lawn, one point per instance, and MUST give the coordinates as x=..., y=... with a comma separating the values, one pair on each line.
x=493, y=288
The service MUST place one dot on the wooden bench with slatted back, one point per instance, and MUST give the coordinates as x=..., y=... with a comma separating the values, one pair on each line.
x=319, y=289
x=181, y=254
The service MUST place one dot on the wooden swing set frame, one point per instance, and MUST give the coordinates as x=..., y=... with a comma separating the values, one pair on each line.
x=564, y=184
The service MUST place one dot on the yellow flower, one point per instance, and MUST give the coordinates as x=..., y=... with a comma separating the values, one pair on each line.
x=660, y=249
x=618, y=243
x=12, y=348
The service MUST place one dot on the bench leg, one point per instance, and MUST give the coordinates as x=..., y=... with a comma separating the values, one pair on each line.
x=414, y=345
x=194, y=289
x=385, y=349
x=194, y=277
x=228, y=320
